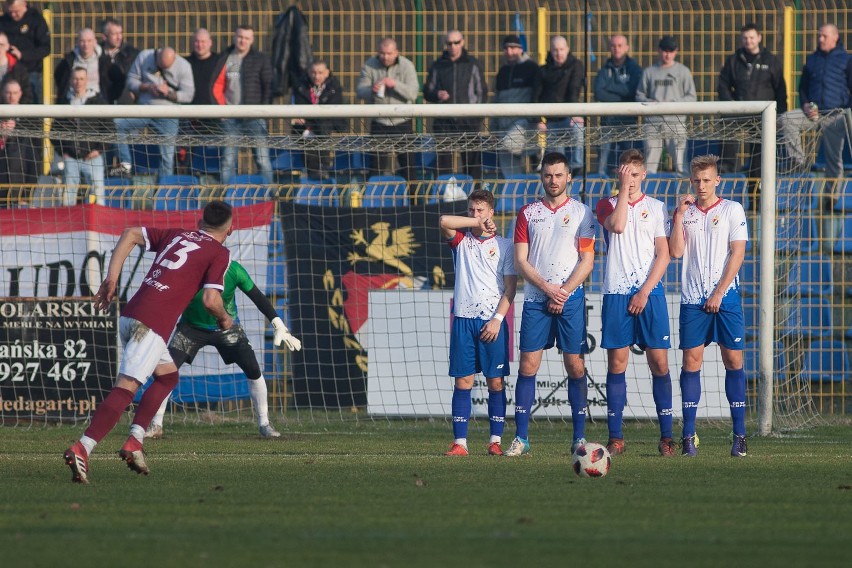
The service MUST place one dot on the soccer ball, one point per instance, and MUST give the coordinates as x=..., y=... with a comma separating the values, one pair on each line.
x=591, y=460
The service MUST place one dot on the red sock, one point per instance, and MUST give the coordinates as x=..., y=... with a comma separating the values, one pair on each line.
x=154, y=397
x=108, y=413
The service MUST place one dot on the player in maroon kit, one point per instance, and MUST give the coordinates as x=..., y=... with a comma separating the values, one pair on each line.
x=186, y=261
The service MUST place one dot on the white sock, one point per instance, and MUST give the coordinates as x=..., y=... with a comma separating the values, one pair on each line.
x=257, y=390
x=461, y=442
x=138, y=432
x=89, y=444
x=496, y=439
x=158, y=418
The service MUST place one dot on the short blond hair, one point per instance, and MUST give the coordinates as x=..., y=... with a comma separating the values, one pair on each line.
x=701, y=163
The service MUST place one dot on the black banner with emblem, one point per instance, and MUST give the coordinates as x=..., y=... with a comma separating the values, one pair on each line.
x=335, y=256
x=58, y=358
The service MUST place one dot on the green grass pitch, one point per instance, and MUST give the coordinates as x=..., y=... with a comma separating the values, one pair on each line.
x=381, y=494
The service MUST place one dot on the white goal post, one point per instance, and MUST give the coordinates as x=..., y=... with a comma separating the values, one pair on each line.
x=768, y=141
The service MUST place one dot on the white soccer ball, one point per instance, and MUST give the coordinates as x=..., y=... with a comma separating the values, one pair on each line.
x=591, y=460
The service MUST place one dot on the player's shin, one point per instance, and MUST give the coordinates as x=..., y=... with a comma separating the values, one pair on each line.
x=616, y=398
x=735, y=387
x=524, y=398
x=154, y=396
x=662, y=391
x=461, y=407
x=260, y=400
x=690, y=388
x=577, y=397
x=108, y=413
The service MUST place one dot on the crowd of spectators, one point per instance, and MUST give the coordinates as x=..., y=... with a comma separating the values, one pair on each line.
x=119, y=73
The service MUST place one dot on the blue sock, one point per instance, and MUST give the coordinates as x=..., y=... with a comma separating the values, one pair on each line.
x=461, y=412
x=616, y=398
x=497, y=411
x=577, y=396
x=662, y=388
x=735, y=389
x=524, y=399
x=690, y=391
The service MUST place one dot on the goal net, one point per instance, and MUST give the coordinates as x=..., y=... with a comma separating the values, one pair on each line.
x=343, y=237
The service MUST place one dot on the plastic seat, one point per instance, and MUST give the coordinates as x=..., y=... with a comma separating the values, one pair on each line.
x=665, y=187
x=287, y=160
x=204, y=160
x=796, y=233
x=385, y=191
x=516, y=191
x=734, y=187
x=810, y=275
x=176, y=198
x=797, y=193
x=276, y=276
x=177, y=180
x=591, y=189
x=118, y=193
x=315, y=192
x=425, y=159
x=249, y=192
x=751, y=316
x=810, y=318
x=346, y=161
x=844, y=201
x=146, y=158
x=750, y=276
x=826, y=361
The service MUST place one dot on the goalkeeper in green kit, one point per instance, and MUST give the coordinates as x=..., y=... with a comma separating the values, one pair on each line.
x=197, y=329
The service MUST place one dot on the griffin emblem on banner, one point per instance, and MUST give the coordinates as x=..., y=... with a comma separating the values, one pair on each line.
x=388, y=246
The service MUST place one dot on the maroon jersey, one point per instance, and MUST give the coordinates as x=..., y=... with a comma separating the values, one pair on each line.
x=186, y=262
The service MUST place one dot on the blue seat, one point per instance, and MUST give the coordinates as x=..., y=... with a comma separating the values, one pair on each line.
x=844, y=201
x=734, y=187
x=385, y=191
x=592, y=189
x=665, y=187
x=178, y=180
x=750, y=276
x=246, y=193
x=118, y=192
x=315, y=192
x=347, y=161
x=819, y=162
x=843, y=245
x=516, y=191
x=797, y=193
x=702, y=148
x=490, y=164
x=751, y=316
x=810, y=275
x=594, y=283
x=826, y=361
x=796, y=233
x=176, y=198
x=204, y=160
x=287, y=160
x=146, y=158
x=751, y=363
x=810, y=318
x=425, y=158
x=448, y=187
x=671, y=279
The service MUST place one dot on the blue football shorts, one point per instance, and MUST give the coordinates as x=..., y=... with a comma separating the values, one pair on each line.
x=540, y=328
x=649, y=330
x=727, y=328
x=470, y=355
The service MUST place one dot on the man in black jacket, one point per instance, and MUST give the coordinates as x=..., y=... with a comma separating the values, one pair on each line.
x=30, y=38
x=18, y=171
x=318, y=87
x=244, y=77
x=119, y=55
x=85, y=55
x=752, y=73
x=457, y=78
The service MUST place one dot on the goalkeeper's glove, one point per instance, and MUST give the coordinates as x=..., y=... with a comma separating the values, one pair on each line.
x=282, y=336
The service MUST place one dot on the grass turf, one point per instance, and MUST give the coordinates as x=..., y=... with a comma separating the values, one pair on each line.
x=381, y=494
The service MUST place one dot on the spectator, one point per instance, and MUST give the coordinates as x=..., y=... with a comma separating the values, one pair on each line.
x=87, y=55
x=120, y=55
x=18, y=171
x=562, y=78
x=157, y=77
x=83, y=158
x=389, y=78
x=752, y=73
x=616, y=82
x=457, y=78
x=825, y=84
x=30, y=38
x=319, y=87
x=516, y=82
x=203, y=61
x=243, y=76
x=666, y=81
x=12, y=70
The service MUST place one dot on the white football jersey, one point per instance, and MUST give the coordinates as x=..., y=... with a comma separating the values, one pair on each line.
x=553, y=236
x=480, y=267
x=708, y=234
x=629, y=256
